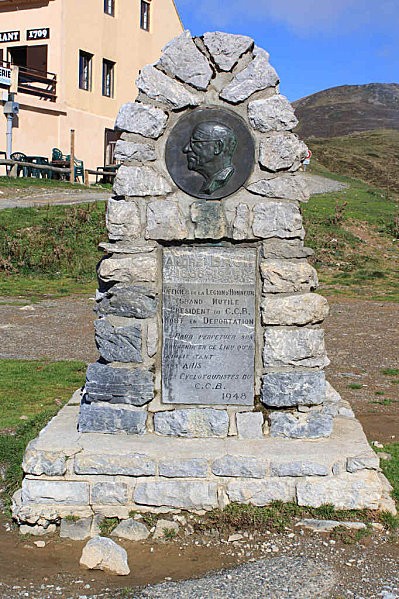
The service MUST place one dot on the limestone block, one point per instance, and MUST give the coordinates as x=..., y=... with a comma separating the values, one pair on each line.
x=209, y=218
x=281, y=150
x=130, y=150
x=294, y=347
x=277, y=219
x=103, y=418
x=242, y=466
x=162, y=527
x=272, y=114
x=332, y=395
x=140, y=181
x=285, y=187
x=165, y=221
x=109, y=493
x=285, y=389
x=50, y=463
x=329, y=525
x=143, y=119
x=37, y=530
x=288, y=277
x=258, y=75
x=299, y=469
x=152, y=338
x=182, y=59
x=118, y=385
x=298, y=310
x=250, y=425
x=77, y=530
x=132, y=530
x=262, y=492
x=367, y=461
x=288, y=248
x=241, y=222
x=362, y=490
x=194, y=495
x=227, y=48
x=161, y=88
x=130, y=302
x=192, y=423
x=118, y=344
x=114, y=464
x=122, y=219
x=101, y=553
x=190, y=468
x=55, y=491
x=312, y=425
x=129, y=269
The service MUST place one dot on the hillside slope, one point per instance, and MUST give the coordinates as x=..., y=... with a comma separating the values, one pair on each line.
x=348, y=109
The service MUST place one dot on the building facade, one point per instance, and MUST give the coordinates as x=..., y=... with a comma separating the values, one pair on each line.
x=77, y=63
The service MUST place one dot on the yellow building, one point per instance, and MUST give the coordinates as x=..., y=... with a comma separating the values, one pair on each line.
x=78, y=60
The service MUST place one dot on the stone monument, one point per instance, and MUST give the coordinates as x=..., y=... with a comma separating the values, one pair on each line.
x=210, y=386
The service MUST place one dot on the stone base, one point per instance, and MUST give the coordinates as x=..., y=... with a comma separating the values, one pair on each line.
x=70, y=473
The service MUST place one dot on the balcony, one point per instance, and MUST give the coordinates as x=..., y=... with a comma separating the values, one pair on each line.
x=41, y=84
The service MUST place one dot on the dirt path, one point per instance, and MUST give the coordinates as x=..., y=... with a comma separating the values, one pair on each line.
x=19, y=198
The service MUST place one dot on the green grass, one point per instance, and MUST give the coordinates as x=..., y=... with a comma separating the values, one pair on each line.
x=391, y=371
x=355, y=386
x=391, y=468
x=107, y=525
x=47, y=184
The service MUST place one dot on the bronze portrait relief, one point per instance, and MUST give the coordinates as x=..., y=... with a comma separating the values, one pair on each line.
x=210, y=153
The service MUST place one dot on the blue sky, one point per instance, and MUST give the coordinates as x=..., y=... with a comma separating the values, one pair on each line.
x=313, y=44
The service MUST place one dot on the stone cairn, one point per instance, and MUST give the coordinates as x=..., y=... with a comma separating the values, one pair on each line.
x=130, y=445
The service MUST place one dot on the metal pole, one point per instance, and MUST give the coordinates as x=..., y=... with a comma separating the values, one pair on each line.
x=9, y=129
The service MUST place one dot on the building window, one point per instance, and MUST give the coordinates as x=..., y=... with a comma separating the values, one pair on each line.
x=145, y=15
x=109, y=7
x=108, y=78
x=85, y=70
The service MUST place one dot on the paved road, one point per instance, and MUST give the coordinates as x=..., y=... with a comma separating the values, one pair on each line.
x=60, y=197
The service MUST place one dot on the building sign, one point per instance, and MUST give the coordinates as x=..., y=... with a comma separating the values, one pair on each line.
x=10, y=36
x=5, y=76
x=38, y=34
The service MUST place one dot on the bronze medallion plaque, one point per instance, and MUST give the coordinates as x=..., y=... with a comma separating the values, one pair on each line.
x=210, y=153
x=208, y=314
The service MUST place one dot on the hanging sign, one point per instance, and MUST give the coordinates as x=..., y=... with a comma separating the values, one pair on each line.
x=5, y=76
x=38, y=34
x=10, y=36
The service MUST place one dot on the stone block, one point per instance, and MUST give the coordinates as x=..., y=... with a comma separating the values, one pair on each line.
x=130, y=150
x=165, y=90
x=130, y=302
x=55, y=491
x=312, y=425
x=299, y=469
x=37, y=462
x=277, y=219
x=140, y=181
x=77, y=530
x=366, y=461
x=285, y=187
x=182, y=59
x=242, y=221
x=272, y=114
x=118, y=344
x=118, y=385
x=209, y=219
x=239, y=466
x=192, y=423
x=329, y=525
x=294, y=347
x=177, y=494
x=249, y=425
x=286, y=389
x=165, y=221
x=294, y=310
x=162, y=527
x=114, y=464
x=288, y=277
x=258, y=75
x=143, y=119
x=288, y=248
x=109, y=493
x=122, y=220
x=179, y=468
x=262, y=492
x=101, y=553
x=227, y=48
x=100, y=418
x=362, y=490
x=128, y=269
x=37, y=530
x=132, y=530
x=152, y=338
x=281, y=150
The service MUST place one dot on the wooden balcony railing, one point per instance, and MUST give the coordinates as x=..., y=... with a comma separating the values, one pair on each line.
x=41, y=84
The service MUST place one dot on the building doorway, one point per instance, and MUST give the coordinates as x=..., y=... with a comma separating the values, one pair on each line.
x=33, y=58
x=111, y=137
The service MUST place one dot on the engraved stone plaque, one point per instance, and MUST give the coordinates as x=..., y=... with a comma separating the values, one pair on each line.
x=210, y=153
x=208, y=313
